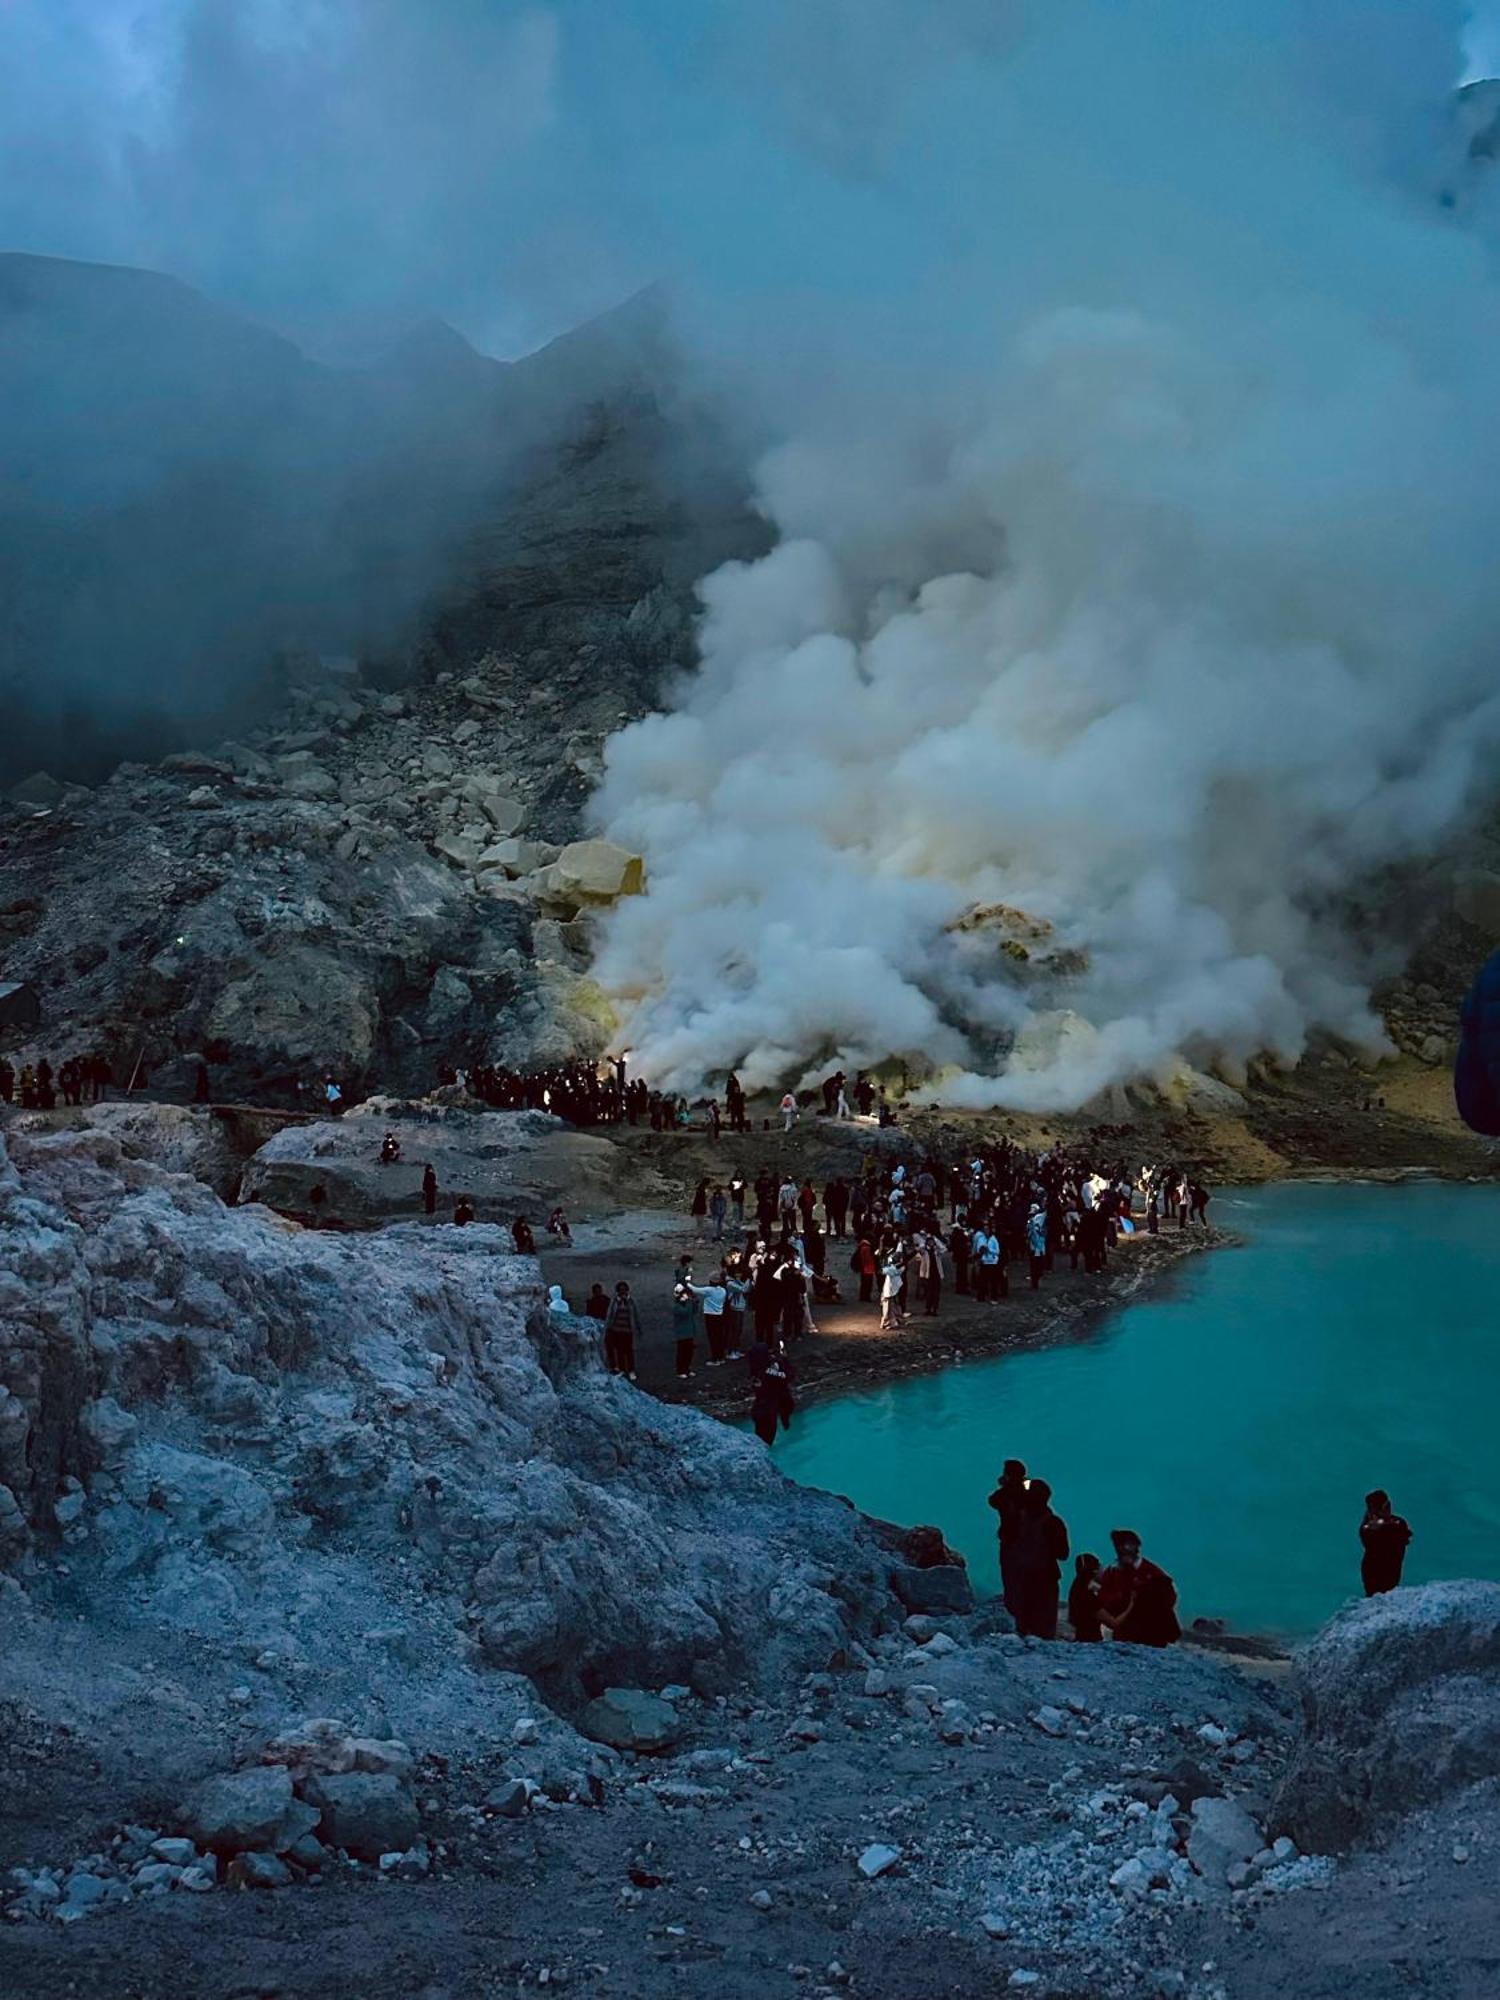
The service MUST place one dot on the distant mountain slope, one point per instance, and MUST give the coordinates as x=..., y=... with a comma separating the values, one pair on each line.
x=184, y=495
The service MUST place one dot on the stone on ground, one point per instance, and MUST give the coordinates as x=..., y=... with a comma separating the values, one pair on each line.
x=631, y=1719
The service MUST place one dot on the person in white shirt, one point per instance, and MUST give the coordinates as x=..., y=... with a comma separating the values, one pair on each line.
x=891, y=1316
x=714, y=1296
x=788, y=1112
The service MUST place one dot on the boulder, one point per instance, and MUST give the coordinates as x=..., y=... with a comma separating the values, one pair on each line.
x=247, y=1809
x=260, y=1871
x=459, y=848
x=1401, y=1705
x=367, y=1813
x=108, y=1433
x=511, y=1799
x=590, y=871
x=495, y=800
x=41, y=791
x=311, y=781
x=631, y=1719
x=514, y=856
x=943, y=1588
x=1223, y=1836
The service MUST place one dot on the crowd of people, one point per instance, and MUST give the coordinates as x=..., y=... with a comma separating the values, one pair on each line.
x=38, y=1086
x=911, y=1229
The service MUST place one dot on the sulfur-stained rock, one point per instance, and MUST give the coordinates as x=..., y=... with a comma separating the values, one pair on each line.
x=590, y=871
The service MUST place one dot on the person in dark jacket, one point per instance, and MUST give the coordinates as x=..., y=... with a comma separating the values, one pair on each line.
x=1383, y=1537
x=1039, y=1551
x=1009, y=1502
x=429, y=1189
x=463, y=1209
x=596, y=1305
x=522, y=1237
x=773, y=1402
x=1083, y=1601
x=685, y=1327
x=622, y=1325
x=1137, y=1601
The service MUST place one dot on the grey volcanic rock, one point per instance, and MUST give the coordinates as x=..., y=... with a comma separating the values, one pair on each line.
x=247, y=1809
x=322, y=1419
x=631, y=1719
x=366, y=1813
x=944, y=1587
x=1401, y=1697
x=510, y=1163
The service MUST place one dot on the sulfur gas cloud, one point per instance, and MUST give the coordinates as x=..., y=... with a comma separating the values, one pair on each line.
x=1135, y=576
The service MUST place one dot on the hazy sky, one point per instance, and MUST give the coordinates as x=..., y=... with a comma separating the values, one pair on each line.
x=334, y=164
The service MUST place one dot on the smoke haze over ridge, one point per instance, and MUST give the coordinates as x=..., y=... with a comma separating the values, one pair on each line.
x=1131, y=391
x=1134, y=571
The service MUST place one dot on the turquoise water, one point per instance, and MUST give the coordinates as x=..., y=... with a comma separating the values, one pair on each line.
x=1236, y=1419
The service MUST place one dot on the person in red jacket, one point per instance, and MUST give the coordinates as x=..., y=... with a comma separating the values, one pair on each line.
x=1137, y=1601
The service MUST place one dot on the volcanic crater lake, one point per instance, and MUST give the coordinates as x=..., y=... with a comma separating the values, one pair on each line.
x=1236, y=1418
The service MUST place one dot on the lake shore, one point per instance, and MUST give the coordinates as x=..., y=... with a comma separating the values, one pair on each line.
x=849, y=1351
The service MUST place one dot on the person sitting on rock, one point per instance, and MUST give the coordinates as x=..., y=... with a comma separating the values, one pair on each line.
x=522, y=1236
x=463, y=1209
x=390, y=1149
x=1384, y=1537
x=1137, y=1601
x=557, y=1301
x=1083, y=1601
x=557, y=1225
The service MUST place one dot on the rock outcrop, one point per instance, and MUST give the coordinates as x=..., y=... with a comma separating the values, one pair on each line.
x=1401, y=1698
x=240, y=1431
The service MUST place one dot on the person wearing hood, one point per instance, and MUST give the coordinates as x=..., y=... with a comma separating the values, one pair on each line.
x=556, y=1301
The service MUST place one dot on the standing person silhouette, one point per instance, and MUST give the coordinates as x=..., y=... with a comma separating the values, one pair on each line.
x=1041, y=1548
x=1009, y=1502
x=1384, y=1537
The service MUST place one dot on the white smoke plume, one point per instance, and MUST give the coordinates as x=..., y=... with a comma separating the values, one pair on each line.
x=1137, y=567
